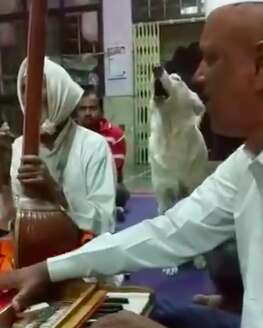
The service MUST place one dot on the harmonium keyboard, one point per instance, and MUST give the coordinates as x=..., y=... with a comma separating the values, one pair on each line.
x=78, y=304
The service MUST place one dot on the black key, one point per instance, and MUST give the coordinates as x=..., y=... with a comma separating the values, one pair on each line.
x=102, y=313
x=98, y=315
x=120, y=300
x=109, y=305
x=110, y=308
x=104, y=310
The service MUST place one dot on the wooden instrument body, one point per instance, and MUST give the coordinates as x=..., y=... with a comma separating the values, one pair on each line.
x=76, y=302
x=43, y=233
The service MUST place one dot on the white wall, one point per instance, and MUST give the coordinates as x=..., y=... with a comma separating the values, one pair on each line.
x=117, y=18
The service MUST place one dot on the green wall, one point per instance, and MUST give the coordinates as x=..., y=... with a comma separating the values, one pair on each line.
x=120, y=111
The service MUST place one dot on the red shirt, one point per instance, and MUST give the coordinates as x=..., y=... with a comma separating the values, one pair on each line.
x=116, y=140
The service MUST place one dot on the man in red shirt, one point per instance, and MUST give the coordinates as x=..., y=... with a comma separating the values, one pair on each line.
x=90, y=115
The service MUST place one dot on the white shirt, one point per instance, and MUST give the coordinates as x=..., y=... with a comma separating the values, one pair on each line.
x=88, y=178
x=228, y=203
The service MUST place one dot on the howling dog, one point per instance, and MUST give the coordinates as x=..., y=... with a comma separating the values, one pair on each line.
x=177, y=150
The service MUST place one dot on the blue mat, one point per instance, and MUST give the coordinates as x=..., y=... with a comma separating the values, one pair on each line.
x=181, y=287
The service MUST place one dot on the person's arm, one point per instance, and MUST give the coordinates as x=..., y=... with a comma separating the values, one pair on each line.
x=96, y=208
x=31, y=171
x=194, y=226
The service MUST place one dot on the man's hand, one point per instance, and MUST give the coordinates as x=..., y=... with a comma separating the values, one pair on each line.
x=32, y=284
x=34, y=175
x=34, y=172
x=125, y=319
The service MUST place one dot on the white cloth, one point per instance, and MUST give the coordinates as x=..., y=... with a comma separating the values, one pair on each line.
x=63, y=94
x=88, y=178
x=211, y=5
x=228, y=203
x=80, y=161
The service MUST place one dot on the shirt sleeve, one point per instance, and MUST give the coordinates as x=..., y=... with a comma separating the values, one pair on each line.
x=194, y=226
x=96, y=210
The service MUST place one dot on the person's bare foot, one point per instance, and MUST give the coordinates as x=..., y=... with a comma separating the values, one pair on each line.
x=211, y=301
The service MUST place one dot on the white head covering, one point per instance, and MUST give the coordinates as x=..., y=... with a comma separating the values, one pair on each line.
x=211, y=5
x=63, y=94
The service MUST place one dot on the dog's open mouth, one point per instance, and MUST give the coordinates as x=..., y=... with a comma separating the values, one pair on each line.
x=159, y=92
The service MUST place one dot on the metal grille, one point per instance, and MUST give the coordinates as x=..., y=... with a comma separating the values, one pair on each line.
x=146, y=54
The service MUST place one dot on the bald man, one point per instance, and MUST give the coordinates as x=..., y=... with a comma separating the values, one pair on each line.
x=227, y=204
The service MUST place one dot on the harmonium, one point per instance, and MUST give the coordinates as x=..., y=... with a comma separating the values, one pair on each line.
x=76, y=304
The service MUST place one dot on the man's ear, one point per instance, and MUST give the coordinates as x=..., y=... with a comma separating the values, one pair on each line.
x=259, y=65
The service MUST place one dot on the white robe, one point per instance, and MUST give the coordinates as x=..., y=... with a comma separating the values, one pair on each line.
x=80, y=161
x=87, y=180
x=227, y=204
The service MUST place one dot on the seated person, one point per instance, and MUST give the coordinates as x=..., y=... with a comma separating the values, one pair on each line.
x=75, y=164
x=228, y=283
x=6, y=139
x=6, y=203
x=209, y=308
x=90, y=115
